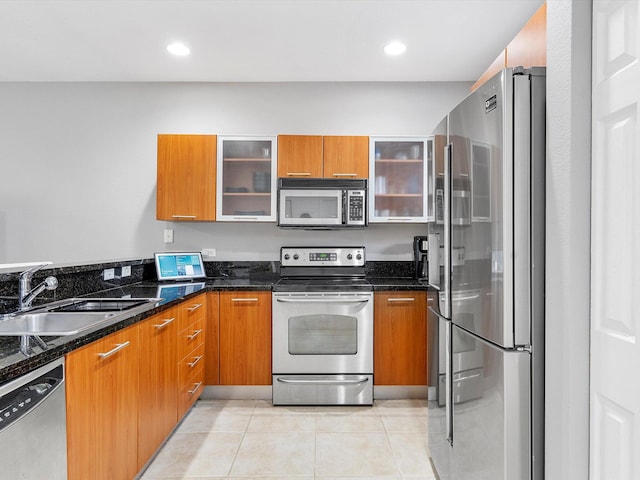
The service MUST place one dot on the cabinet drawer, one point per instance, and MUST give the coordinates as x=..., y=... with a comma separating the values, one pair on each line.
x=190, y=338
x=190, y=389
x=192, y=310
x=193, y=362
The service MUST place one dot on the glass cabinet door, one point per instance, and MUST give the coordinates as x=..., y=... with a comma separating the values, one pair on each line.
x=401, y=187
x=246, y=183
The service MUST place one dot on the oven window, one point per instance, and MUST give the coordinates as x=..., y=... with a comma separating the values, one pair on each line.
x=323, y=334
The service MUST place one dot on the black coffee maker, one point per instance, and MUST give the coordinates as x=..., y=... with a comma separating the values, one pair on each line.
x=421, y=257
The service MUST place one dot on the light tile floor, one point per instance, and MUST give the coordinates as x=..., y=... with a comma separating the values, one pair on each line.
x=251, y=439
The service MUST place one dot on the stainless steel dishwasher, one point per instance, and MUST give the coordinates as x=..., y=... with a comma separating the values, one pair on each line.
x=33, y=432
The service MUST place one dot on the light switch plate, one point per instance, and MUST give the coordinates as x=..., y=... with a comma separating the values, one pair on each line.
x=126, y=271
x=109, y=273
x=168, y=235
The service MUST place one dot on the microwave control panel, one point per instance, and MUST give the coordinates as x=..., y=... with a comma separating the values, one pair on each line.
x=355, y=207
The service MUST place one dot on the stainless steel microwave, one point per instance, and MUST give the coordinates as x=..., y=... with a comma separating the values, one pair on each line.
x=318, y=203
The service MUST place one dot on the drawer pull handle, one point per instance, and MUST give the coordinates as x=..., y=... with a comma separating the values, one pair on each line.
x=195, y=361
x=298, y=174
x=195, y=307
x=165, y=323
x=244, y=299
x=345, y=174
x=194, y=334
x=117, y=348
x=183, y=216
x=196, y=386
x=245, y=218
x=401, y=299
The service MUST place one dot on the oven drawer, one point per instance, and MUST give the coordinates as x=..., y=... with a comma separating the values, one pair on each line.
x=322, y=389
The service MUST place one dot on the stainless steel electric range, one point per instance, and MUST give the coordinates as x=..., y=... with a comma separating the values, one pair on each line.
x=322, y=328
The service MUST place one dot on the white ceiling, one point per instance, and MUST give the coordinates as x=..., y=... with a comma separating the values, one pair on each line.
x=254, y=40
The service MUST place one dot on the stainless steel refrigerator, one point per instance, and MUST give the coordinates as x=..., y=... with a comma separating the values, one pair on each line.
x=486, y=420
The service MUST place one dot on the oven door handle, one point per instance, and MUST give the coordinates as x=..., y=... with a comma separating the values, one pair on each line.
x=324, y=300
x=355, y=381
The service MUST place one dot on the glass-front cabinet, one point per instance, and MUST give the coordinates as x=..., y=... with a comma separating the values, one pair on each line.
x=246, y=180
x=401, y=183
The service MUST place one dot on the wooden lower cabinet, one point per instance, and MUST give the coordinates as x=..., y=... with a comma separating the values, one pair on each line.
x=158, y=382
x=245, y=338
x=212, y=340
x=102, y=388
x=400, y=338
x=191, y=347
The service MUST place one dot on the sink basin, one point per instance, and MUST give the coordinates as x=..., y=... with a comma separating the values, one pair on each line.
x=71, y=316
x=101, y=305
x=52, y=323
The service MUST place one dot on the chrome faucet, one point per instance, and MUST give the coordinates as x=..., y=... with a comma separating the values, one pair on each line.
x=26, y=294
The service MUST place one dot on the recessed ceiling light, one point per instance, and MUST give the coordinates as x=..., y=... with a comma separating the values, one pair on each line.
x=178, y=48
x=395, y=48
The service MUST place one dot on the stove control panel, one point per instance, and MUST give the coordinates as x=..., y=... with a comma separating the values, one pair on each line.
x=322, y=256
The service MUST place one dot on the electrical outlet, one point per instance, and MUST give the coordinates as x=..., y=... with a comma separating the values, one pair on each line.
x=168, y=235
x=126, y=271
x=208, y=252
x=109, y=274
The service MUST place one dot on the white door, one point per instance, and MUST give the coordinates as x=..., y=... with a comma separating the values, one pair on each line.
x=615, y=237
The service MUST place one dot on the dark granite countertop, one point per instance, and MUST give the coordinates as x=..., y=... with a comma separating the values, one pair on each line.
x=13, y=363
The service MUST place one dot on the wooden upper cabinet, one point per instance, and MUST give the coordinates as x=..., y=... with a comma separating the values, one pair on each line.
x=300, y=156
x=315, y=156
x=527, y=49
x=346, y=157
x=186, y=177
x=498, y=64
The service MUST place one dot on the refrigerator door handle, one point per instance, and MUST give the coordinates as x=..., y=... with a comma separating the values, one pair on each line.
x=446, y=285
x=448, y=368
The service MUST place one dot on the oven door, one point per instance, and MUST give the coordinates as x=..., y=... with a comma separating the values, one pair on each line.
x=323, y=333
x=310, y=207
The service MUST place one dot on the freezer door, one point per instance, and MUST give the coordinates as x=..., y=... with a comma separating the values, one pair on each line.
x=491, y=245
x=491, y=414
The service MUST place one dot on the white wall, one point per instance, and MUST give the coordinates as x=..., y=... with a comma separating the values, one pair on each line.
x=78, y=160
x=568, y=231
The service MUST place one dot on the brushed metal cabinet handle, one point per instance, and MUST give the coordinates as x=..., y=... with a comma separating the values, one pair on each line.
x=298, y=174
x=117, y=348
x=195, y=361
x=184, y=216
x=345, y=174
x=165, y=323
x=195, y=307
x=244, y=299
x=194, y=334
x=401, y=299
x=196, y=386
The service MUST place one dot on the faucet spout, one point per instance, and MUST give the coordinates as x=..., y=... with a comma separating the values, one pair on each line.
x=26, y=294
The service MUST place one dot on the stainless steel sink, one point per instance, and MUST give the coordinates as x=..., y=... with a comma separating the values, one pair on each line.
x=71, y=316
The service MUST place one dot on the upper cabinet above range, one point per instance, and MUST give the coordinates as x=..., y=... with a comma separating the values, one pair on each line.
x=316, y=156
x=246, y=178
x=186, y=177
